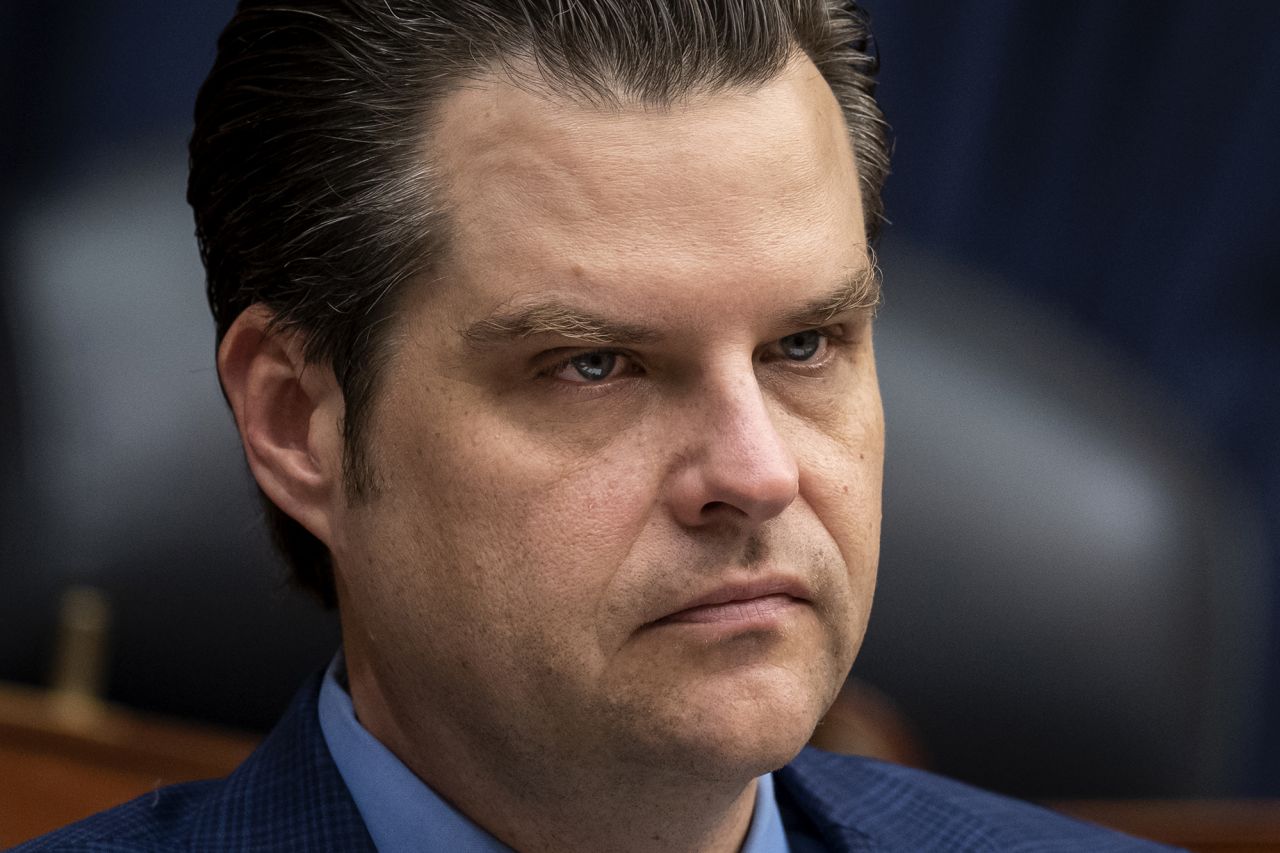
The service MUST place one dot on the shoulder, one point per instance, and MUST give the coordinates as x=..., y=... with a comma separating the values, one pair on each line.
x=288, y=795
x=877, y=806
x=160, y=820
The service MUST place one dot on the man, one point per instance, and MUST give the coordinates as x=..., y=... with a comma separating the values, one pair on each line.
x=547, y=331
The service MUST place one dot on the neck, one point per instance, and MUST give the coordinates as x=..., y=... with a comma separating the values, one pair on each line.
x=560, y=803
x=624, y=818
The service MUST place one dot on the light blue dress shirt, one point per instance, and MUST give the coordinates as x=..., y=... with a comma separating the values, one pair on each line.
x=403, y=813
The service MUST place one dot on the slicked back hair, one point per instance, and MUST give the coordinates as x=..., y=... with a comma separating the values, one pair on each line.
x=311, y=176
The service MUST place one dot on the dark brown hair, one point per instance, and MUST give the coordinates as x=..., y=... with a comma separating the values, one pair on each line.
x=311, y=178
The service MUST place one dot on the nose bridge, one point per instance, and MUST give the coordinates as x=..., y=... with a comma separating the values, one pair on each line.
x=748, y=437
x=741, y=459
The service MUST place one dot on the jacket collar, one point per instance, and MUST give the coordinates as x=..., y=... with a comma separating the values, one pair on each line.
x=818, y=788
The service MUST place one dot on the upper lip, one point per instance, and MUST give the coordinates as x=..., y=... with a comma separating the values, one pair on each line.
x=746, y=590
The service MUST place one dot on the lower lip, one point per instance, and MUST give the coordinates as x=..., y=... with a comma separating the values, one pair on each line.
x=764, y=610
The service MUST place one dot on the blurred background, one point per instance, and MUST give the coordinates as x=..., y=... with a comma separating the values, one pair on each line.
x=1080, y=353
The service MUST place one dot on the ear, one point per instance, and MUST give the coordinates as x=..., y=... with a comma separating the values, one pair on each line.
x=289, y=414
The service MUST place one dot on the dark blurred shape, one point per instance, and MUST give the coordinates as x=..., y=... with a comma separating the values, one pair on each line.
x=865, y=721
x=132, y=478
x=1118, y=162
x=1072, y=595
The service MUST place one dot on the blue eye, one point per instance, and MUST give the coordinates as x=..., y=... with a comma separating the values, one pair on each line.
x=801, y=346
x=594, y=366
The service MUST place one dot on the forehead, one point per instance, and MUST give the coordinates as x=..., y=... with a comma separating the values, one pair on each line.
x=721, y=188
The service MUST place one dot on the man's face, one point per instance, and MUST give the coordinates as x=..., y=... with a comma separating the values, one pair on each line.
x=629, y=468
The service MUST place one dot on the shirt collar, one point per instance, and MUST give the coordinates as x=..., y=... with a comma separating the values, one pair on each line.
x=402, y=813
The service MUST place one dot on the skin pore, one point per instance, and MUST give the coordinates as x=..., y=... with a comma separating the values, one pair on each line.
x=622, y=545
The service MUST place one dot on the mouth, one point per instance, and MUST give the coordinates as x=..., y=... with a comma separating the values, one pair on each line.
x=755, y=604
x=760, y=609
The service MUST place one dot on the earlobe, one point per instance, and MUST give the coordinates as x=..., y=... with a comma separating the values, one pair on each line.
x=288, y=413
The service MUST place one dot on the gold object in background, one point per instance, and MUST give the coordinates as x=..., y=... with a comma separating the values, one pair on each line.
x=80, y=659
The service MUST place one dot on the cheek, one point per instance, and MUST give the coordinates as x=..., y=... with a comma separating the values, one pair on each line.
x=533, y=527
x=841, y=478
x=843, y=492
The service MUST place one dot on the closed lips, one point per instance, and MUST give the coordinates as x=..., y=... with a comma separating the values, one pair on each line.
x=741, y=602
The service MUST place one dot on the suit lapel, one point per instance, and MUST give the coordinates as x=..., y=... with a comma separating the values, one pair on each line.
x=288, y=795
x=825, y=797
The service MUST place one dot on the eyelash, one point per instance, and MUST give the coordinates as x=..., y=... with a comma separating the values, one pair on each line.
x=832, y=336
x=550, y=372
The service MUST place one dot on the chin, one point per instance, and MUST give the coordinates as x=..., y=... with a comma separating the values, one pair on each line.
x=757, y=726
x=738, y=755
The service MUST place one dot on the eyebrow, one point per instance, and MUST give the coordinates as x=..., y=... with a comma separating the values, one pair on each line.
x=556, y=318
x=858, y=292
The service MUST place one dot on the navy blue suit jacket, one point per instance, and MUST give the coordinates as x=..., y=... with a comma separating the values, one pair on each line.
x=289, y=796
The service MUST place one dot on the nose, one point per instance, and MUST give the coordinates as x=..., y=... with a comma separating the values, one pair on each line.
x=738, y=467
